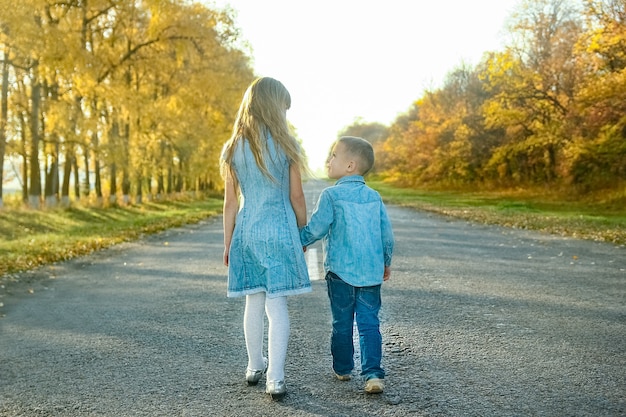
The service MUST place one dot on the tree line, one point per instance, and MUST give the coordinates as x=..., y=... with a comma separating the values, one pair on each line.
x=116, y=98
x=548, y=110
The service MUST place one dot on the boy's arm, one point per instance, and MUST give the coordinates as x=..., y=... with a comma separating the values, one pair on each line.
x=320, y=222
x=387, y=273
x=387, y=236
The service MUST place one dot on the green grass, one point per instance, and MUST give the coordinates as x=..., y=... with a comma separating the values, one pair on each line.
x=585, y=219
x=31, y=238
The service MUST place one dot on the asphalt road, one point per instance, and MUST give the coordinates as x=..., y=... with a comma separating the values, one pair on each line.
x=477, y=321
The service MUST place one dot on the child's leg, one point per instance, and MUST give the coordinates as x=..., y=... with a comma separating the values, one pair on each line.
x=253, y=326
x=342, y=299
x=368, y=304
x=278, y=337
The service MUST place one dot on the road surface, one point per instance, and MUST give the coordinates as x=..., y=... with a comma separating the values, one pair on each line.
x=476, y=320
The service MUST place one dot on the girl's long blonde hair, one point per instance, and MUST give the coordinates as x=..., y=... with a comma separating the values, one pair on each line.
x=263, y=110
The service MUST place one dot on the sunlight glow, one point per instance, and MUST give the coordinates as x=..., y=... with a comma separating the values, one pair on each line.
x=347, y=59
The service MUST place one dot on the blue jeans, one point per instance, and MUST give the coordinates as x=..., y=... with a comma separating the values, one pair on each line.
x=346, y=304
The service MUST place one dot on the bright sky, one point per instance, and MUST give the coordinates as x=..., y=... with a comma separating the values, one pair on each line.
x=348, y=59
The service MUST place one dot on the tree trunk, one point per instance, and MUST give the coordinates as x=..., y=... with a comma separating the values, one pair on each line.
x=87, y=188
x=160, y=185
x=76, y=177
x=34, y=195
x=113, y=191
x=125, y=168
x=67, y=173
x=51, y=187
x=170, y=180
x=96, y=167
x=114, y=135
x=24, y=154
x=139, y=193
x=4, y=112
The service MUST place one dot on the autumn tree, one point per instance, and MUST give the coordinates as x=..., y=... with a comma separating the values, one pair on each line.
x=598, y=151
x=122, y=92
x=443, y=139
x=4, y=114
x=453, y=117
x=547, y=110
x=532, y=83
x=401, y=159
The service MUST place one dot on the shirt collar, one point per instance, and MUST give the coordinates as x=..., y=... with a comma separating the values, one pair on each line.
x=351, y=178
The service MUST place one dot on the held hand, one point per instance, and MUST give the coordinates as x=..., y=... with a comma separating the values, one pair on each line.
x=387, y=273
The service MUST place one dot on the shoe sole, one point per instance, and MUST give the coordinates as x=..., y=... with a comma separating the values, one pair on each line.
x=254, y=381
x=278, y=397
x=342, y=377
x=376, y=390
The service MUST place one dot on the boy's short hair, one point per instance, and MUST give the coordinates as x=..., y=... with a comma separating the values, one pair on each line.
x=361, y=149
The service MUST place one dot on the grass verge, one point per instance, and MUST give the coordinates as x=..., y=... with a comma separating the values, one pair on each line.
x=31, y=238
x=599, y=221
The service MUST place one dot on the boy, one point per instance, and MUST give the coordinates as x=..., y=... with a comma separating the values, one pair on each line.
x=358, y=242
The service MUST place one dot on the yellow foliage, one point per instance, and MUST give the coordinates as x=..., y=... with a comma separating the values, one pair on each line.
x=139, y=85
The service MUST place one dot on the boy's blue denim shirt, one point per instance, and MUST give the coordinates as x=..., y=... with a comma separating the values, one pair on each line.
x=358, y=240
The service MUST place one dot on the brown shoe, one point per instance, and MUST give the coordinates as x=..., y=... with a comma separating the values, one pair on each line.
x=347, y=377
x=374, y=386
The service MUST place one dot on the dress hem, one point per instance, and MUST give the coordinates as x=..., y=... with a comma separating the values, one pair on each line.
x=234, y=294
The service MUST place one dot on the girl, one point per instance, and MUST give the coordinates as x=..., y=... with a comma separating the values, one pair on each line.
x=263, y=207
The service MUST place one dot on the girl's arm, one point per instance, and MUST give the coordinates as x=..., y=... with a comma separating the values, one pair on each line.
x=231, y=206
x=296, y=194
x=320, y=222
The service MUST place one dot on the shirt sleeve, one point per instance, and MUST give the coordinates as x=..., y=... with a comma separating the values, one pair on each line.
x=320, y=222
x=387, y=235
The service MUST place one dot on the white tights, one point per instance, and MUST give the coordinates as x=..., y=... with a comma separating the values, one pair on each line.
x=277, y=334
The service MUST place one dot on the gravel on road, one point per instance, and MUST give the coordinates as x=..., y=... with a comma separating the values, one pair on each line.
x=477, y=321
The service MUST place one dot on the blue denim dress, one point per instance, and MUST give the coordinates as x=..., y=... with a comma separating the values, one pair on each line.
x=265, y=251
